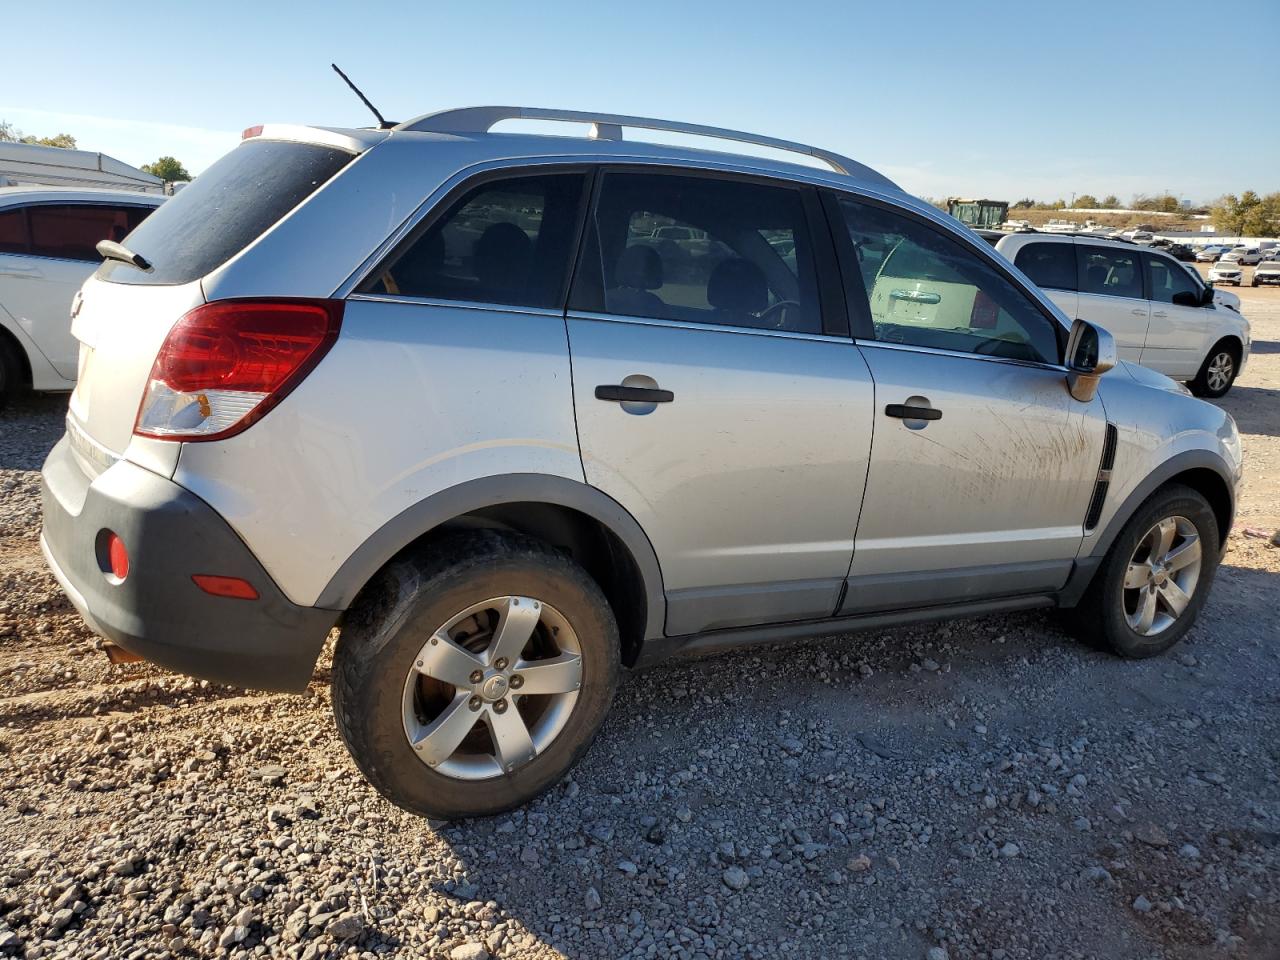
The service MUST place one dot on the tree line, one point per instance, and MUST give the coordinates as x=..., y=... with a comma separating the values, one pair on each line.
x=166, y=168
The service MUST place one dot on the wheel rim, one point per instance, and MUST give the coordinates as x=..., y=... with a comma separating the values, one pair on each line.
x=492, y=687
x=1162, y=575
x=1220, y=367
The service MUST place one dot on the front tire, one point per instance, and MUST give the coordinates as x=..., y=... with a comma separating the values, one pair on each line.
x=470, y=680
x=1155, y=578
x=1218, y=372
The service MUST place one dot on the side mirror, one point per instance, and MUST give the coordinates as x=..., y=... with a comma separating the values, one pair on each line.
x=1186, y=298
x=1091, y=352
x=1206, y=297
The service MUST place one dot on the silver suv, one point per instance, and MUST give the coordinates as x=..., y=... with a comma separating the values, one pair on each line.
x=437, y=387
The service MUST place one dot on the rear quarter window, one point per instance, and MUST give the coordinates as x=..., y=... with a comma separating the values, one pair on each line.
x=1050, y=265
x=225, y=209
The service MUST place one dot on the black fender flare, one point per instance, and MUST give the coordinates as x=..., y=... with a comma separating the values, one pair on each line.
x=1087, y=564
x=439, y=508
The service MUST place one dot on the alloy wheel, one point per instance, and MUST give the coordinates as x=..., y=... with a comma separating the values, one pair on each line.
x=492, y=687
x=1221, y=367
x=1162, y=575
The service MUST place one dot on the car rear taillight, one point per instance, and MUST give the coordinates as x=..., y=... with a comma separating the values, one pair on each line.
x=225, y=364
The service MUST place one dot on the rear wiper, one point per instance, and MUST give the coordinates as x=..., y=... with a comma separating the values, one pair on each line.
x=110, y=250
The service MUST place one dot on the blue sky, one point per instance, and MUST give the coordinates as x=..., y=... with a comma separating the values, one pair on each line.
x=1002, y=99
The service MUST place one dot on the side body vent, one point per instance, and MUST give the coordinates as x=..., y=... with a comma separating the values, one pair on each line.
x=1104, y=479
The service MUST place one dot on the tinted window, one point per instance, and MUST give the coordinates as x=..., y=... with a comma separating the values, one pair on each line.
x=225, y=209
x=507, y=241
x=72, y=232
x=1168, y=278
x=1110, y=272
x=701, y=250
x=13, y=231
x=1050, y=265
x=928, y=290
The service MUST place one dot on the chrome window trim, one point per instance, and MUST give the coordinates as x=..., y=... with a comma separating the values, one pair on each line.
x=1111, y=296
x=939, y=351
x=695, y=325
x=455, y=304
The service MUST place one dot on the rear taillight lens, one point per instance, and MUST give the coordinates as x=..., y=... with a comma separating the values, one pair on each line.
x=225, y=364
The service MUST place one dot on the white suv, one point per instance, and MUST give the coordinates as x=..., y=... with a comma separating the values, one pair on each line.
x=1159, y=311
x=435, y=386
x=47, y=241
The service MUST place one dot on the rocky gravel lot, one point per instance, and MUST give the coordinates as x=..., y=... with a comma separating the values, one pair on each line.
x=981, y=789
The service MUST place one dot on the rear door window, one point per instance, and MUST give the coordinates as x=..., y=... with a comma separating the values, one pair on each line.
x=507, y=242
x=1109, y=272
x=72, y=231
x=13, y=231
x=1050, y=265
x=700, y=250
x=225, y=209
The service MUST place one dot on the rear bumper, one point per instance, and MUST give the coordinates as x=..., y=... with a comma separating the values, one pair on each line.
x=157, y=611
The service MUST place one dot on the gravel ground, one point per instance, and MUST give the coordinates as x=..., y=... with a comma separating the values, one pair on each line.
x=987, y=788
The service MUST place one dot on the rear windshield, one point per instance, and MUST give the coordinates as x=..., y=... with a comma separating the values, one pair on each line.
x=225, y=209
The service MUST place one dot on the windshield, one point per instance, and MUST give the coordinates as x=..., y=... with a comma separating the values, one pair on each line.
x=224, y=210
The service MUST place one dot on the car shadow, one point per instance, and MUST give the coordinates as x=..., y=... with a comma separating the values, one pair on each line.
x=705, y=763
x=1253, y=409
x=1264, y=346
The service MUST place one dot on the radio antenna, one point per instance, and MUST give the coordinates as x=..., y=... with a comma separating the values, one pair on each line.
x=383, y=124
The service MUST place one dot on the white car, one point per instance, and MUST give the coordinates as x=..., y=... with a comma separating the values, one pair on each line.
x=1268, y=271
x=1245, y=255
x=47, y=241
x=1226, y=271
x=1160, y=312
x=1211, y=253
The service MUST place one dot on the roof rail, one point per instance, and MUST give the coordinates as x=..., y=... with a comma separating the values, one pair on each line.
x=608, y=126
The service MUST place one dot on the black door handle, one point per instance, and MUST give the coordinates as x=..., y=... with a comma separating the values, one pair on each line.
x=621, y=394
x=904, y=412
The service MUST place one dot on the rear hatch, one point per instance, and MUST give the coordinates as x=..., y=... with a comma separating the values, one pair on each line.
x=123, y=314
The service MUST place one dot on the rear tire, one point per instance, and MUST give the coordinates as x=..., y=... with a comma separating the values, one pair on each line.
x=11, y=380
x=420, y=620
x=1219, y=370
x=1111, y=613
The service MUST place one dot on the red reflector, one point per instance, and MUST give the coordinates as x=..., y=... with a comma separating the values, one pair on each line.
x=225, y=586
x=251, y=132
x=117, y=557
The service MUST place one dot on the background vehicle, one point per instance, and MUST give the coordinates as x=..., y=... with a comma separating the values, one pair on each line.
x=436, y=389
x=1180, y=252
x=1244, y=255
x=986, y=214
x=1227, y=271
x=1211, y=253
x=47, y=238
x=1268, y=271
x=1160, y=312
